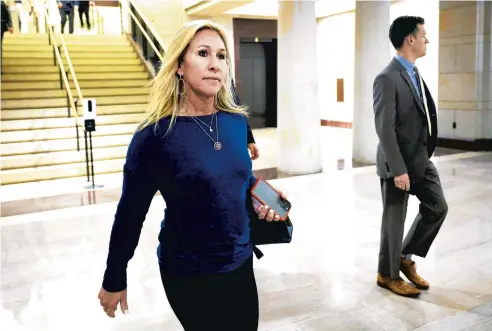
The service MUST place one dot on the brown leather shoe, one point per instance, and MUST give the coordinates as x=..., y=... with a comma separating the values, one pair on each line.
x=410, y=271
x=398, y=286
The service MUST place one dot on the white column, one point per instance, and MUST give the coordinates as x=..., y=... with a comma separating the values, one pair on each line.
x=372, y=54
x=465, y=74
x=298, y=111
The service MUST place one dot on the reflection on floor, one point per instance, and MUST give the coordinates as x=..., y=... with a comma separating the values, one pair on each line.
x=79, y=199
x=52, y=262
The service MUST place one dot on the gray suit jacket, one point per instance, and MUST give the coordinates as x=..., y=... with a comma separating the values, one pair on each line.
x=405, y=145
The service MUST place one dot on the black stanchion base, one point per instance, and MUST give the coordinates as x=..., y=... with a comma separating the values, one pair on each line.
x=92, y=187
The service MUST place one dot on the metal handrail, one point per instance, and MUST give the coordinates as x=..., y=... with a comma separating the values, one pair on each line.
x=148, y=24
x=64, y=77
x=71, y=69
x=98, y=18
x=157, y=52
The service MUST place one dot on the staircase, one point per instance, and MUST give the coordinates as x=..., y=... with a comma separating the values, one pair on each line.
x=38, y=139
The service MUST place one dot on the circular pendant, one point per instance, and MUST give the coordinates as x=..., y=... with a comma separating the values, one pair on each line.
x=218, y=146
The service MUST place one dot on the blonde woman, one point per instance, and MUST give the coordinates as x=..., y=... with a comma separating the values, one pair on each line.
x=192, y=148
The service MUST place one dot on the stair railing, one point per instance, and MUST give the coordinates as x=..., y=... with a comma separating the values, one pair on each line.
x=72, y=103
x=143, y=33
x=96, y=17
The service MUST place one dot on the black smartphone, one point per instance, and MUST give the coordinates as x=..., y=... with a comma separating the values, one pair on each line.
x=267, y=195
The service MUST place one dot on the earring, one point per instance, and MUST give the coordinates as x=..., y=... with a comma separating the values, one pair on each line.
x=181, y=81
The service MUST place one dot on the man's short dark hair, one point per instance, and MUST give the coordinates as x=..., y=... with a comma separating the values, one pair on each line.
x=402, y=27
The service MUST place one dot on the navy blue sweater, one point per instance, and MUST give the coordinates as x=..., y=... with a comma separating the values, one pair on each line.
x=206, y=225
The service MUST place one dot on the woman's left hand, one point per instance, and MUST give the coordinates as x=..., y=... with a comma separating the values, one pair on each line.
x=265, y=212
x=254, y=151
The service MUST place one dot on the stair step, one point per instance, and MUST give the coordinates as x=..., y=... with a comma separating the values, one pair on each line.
x=27, y=70
x=113, y=75
x=78, y=68
x=87, y=93
x=71, y=48
x=22, y=41
x=27, y=48
x=24, y=36
x=34, y=103
x=58, y=158
x=20, y=114
x=83, y=61
x=90, y=68
x=78, y=55
x=100, y=48
x=29, y=136
x=62, y=102
x=23, y=175
x=85, y=84
x=105, y=37
x=96, y=42
x=68, y=42
x=69, y=144
x=39, y=77
x=24, y=114
x=44, y=36
x=121, y=62
x=64, y=122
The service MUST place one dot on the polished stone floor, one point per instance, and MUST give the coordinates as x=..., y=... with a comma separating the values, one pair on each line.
x=52, y=262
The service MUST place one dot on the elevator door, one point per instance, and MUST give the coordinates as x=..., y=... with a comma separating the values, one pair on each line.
x=253, y=78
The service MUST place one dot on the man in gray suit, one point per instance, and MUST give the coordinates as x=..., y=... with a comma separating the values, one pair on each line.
x=406, y=124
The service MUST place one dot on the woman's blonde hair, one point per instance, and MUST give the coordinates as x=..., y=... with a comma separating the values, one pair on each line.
x=165, y=97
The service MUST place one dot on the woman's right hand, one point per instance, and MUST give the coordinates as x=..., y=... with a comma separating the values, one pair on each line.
x=110, y=300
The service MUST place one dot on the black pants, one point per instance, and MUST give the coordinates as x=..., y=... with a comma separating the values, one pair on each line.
x=64, y=15
x=432, y=212
x=84, y=11
x=215, y=302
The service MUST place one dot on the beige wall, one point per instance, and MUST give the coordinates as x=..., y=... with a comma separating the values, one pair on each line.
x=464, y=70
x=166, y=16
x=336, y=49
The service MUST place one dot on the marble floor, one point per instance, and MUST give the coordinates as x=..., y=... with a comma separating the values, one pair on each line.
x=52, y=259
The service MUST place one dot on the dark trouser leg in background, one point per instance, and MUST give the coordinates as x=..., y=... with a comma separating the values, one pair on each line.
x=395, y=202
x=71, y=18
x=81, y=18
x=63, y=15
x=84, y=10
x=432, y=212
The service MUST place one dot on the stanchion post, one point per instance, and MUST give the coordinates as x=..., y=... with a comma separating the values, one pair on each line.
x=89, y=112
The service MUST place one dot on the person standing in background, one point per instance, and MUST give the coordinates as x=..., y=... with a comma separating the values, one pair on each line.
x=6, y=19
x=67, y=9
x=6, y=24
x=84, y=11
